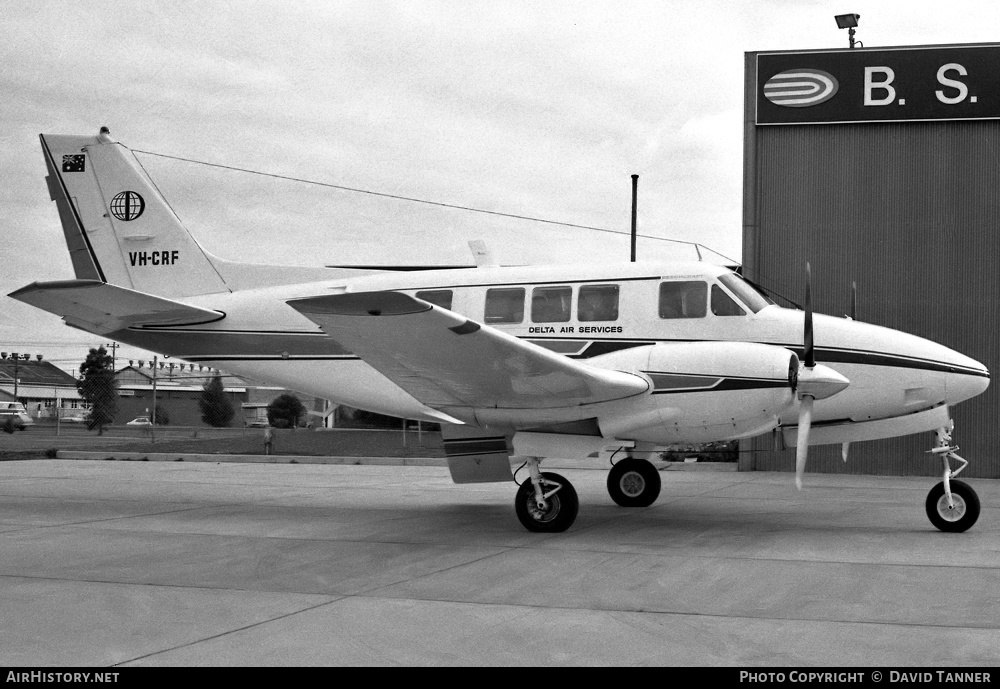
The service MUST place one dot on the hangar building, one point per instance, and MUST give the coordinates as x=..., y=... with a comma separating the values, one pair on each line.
x=883, y=169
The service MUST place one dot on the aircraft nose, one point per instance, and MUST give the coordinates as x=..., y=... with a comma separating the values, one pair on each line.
x=967, y=378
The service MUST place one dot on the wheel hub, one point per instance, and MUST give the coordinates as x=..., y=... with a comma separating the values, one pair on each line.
x=951, y=514
x=543, y=515
x=632, y=484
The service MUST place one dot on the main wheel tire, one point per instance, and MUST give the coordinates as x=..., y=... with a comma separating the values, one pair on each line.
x=953, y=519
x=563, y=505
x=634, y=483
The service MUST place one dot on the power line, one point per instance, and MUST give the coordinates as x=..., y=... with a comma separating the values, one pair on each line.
x=424, y=201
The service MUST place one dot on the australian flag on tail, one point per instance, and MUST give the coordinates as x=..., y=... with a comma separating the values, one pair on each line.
x=74, y=163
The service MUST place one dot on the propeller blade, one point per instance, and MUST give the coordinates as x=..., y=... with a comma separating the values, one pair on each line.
x=809, y=352
x=802, y=448
x=854, y=301
x=844, y=449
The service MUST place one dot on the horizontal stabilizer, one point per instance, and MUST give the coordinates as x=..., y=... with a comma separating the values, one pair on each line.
x=445, y=360
x=102, y=308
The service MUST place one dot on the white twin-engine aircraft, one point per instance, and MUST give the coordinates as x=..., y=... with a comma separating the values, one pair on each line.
x=528, y=362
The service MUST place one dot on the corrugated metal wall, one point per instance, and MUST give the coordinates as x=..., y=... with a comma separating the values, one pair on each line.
x=911, y=211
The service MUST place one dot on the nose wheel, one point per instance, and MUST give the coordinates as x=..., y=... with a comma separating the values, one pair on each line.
x=954, y=514
x=951, y=505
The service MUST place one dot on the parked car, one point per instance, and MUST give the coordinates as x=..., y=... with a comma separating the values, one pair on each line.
x=75, y=417
x=16, y=414
x=257, y=423
x=140, y=421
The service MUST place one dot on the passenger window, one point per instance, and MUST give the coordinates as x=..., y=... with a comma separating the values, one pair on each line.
x=551, y=304
x=438, y=297
x=723, y=304
x=683, y=299
x=598, y=303
x=504, y=305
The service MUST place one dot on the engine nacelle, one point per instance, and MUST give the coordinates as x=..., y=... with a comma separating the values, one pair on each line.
x=702, y=391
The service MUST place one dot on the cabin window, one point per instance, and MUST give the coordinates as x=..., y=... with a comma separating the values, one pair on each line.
x=723, y=304
x=598, y=303
x=745, y=292
x=504, y=305
x=551, y=304
x=688, y=299
x=438, y=297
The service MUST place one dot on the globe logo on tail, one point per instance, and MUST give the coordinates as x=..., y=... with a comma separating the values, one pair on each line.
x=127, y=205
x=800, y=88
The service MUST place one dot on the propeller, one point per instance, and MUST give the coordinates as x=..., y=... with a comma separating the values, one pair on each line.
x=802, y=448
x=815, y=382
x=846, y=447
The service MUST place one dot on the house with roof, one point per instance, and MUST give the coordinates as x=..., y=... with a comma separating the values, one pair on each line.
x=41, y=386
x=175, y=389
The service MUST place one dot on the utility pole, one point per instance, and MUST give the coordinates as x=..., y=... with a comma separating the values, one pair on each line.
x=152, y=431
x=114, y=350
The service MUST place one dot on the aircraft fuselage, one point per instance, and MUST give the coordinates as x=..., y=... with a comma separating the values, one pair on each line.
x=891, y=373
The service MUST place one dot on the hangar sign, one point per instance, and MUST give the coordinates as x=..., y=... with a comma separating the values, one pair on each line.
x=873, y=85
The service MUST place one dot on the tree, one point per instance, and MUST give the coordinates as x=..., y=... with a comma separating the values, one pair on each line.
x=216, y=409
x=284, y=411
x=161, y=415
x=97, y=386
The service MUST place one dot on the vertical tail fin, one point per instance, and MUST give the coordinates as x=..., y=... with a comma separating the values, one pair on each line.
x=118, y=227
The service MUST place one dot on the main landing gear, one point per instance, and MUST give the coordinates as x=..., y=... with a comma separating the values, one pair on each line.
x=548, y=503
x=951, y=505
x=634, y=482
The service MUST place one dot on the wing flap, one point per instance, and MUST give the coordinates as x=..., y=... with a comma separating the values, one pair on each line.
x=101, y=308
x=444, y=359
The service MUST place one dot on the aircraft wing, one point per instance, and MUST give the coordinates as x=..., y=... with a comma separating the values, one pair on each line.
x=444, y=359
x=101, y=308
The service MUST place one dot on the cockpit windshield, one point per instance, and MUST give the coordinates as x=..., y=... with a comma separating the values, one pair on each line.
x=753, y=299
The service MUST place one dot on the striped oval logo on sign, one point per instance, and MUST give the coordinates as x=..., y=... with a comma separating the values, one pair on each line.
x=800, y=88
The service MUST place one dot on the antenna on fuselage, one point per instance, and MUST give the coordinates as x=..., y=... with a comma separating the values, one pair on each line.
x=854, y=301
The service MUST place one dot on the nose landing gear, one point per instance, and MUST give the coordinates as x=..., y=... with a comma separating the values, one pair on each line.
x=951, y=505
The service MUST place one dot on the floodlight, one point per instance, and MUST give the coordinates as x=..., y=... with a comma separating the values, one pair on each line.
x=847, y=21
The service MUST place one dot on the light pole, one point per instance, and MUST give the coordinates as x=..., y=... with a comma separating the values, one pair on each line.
x=635, y=196
x=16, y=357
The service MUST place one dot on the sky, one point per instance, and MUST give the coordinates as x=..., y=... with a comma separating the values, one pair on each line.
x=526, y=108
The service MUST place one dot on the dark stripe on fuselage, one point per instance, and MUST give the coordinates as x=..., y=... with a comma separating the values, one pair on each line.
x=272, y=357
x=206, y=344
x=681, y=383
x=246, y=345
x=824, y=355
x=599, y=347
